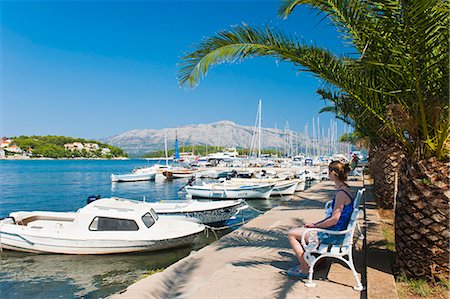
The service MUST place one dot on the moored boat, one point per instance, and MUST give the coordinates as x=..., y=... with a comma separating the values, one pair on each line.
x=201, y=211
x=228, y=190
x=133, y=177
x=178, y=173
x=282, y=187
x=97, y=228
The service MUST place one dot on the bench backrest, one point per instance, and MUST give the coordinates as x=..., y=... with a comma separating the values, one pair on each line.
x=354, y=217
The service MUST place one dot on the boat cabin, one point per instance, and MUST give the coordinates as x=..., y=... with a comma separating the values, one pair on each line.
x=99, y=215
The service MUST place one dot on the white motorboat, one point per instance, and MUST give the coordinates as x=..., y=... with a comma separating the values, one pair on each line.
x=229, y=190
x=101, y=227
x=133, y=177
x=178, y=173
x=282, y=187
x=194, y=210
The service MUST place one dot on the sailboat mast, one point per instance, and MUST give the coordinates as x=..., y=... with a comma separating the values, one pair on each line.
x=276, y=132
x=306, y=140
x=259, y=128
x=165, y=149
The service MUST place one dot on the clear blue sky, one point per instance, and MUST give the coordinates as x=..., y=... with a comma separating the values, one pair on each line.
x=99, y=68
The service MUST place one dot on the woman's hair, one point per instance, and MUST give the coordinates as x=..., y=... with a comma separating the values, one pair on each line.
x=340, y=170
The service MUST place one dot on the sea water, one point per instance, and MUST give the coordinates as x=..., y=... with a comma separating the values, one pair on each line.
x=64, y=185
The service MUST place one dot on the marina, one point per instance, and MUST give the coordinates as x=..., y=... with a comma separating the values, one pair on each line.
x=65, y=185
x=131, y=165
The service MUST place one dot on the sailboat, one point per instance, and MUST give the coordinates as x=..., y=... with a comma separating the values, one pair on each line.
x=177, y=172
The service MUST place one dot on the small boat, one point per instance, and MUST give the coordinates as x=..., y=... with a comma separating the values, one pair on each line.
x=133, y=177
x=194, y=210
x=175, y=173
x=97, y=228
x=282, y=187
x=228, y=190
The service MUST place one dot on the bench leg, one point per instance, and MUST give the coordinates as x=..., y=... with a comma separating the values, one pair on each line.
x=310, y=283
x=359, y=286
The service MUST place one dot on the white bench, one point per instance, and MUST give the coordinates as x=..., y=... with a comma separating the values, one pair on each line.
x=315, y=250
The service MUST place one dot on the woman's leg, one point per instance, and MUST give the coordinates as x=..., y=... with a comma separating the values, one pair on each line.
x=294, y=237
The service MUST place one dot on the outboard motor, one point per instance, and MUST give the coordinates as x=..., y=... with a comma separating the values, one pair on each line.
x=93, y=198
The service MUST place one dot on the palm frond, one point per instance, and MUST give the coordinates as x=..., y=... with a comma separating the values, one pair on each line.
x=352, y=18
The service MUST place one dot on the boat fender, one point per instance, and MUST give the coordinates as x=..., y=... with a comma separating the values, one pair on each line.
x=92, y=198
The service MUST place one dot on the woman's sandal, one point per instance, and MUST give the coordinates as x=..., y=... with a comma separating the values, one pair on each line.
x=295, y=272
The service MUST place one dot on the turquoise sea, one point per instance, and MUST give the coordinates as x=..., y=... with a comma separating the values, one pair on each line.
x=64, y=185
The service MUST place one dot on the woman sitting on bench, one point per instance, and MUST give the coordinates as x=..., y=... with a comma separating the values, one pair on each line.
x=336, y=219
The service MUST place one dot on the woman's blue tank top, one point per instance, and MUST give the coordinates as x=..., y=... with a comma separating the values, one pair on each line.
x=345, y=214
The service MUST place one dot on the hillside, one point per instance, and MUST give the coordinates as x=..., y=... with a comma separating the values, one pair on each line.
x=63, y=147
x=222, y=133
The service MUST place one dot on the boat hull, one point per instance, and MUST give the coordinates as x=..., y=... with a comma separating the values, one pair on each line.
x=226, y=192
x=177, y=175
x=34, y=244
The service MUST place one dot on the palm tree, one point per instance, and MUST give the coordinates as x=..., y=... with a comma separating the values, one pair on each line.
x=398, y=81
x=385, y=155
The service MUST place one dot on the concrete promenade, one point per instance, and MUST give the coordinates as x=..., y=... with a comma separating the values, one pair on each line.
x=248, y=262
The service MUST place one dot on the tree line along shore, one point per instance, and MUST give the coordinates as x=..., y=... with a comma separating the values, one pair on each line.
x=57, y=147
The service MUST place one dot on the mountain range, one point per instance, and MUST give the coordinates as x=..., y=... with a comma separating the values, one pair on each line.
x=223, y=133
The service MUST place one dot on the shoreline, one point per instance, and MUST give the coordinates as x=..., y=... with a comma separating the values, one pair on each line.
x=26, y=158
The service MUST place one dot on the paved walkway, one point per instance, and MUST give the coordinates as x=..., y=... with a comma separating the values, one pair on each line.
x=248, y=262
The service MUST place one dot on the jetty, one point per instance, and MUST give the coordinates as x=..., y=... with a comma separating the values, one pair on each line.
x=249, y=262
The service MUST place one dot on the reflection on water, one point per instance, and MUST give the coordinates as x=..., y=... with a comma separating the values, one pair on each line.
x=64, y=186
x=88, y=276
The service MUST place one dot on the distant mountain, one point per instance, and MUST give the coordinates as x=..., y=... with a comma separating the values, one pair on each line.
x=223, y=133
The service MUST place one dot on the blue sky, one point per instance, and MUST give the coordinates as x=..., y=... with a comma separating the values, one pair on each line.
x=99, y=68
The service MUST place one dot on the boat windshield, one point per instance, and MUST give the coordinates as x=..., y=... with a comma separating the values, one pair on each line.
x=148, y=220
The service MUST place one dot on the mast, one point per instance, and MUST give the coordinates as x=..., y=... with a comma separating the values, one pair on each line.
x=276, y=131
x=306, y=140
x=259, y=127
x=165, y=149
x=313, y=148
x=256, y=137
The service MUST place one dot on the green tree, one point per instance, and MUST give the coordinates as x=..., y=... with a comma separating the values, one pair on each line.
x=398, y=80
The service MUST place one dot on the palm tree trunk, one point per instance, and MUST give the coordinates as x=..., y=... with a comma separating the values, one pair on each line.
x=386, y=158
x=422, y=220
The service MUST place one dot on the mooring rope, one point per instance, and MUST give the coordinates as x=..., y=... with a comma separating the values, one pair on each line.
x=213, y=229
x=252, y=208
